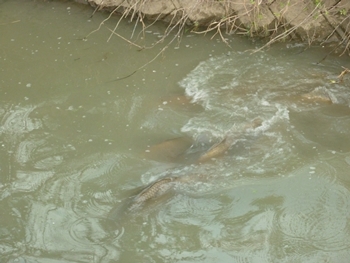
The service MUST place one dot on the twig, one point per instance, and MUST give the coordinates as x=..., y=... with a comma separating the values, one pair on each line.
x=100, y=25
x=144, y=65
x=125, y=14
x=130, y=42
x=16, y=21
x=343, y=73
x=181, y=26
x=287, y=32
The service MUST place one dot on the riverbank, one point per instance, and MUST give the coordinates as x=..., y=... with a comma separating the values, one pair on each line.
x=316, y=21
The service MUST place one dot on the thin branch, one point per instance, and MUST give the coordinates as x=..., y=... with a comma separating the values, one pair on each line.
x=287, y=32
x=130, y=42
x=181, y=24
x=103, y=21
x=16, y=21
x=343, y=73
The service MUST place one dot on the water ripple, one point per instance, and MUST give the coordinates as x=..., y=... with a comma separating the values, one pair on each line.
x=321, y=220
x=17, y=121
x=58, y=231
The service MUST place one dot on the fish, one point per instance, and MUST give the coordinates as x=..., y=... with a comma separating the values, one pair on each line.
x=137, y=202
x=221, y=147
x=164, y=184
x=257, y=122
x=215, y=150
x=317, y=97
x=152, y=191
x=169, y=150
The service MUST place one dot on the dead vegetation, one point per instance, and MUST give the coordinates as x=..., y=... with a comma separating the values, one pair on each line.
x=312, y=21
x=343, y=73
x=323, y=22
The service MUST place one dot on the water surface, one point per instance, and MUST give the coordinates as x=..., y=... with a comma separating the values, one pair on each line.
x=76, y=143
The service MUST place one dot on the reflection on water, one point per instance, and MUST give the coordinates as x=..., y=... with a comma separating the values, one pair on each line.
x=77, y=147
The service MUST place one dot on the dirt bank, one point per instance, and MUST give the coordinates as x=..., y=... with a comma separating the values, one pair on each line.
x=319, y=21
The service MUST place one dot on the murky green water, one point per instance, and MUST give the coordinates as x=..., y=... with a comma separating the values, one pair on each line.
x=76, y=144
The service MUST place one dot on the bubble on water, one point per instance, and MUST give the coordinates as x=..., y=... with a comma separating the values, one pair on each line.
x=28, y=85
x=265, y=103
x=347, y=160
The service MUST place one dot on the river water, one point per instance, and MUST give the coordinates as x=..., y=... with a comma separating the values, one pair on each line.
x=80, y=136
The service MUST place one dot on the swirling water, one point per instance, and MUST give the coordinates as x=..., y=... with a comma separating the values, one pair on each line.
x=76, y=144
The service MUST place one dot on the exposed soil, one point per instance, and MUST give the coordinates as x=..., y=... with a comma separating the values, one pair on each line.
x=312, y=21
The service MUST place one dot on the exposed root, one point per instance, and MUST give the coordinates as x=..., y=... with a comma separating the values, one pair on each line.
x=247, y=19
x=267, y=18
x=287, y=32
x=178, y=26
x=102, y=23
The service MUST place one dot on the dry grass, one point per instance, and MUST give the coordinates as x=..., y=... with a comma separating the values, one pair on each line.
x=247, y=19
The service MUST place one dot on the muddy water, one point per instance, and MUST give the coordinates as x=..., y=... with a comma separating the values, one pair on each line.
x=76, y=144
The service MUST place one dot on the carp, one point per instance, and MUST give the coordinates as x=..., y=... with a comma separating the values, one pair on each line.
x=317, y=97
x=221, y=147
x=215, y=150
x=153, y=190
x=164, y=184
x=169, y=150
x=319, y=94
x=136, y=202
